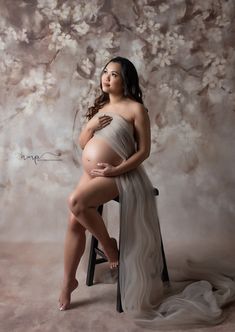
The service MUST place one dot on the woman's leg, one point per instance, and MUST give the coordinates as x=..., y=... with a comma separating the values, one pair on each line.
x=75, y=241
x=93, y=191
x=83, y=204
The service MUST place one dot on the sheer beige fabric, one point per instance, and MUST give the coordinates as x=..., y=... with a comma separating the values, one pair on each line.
x=142, y=291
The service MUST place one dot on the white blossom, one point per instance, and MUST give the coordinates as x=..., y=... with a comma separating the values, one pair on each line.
x=163, y=7
x=81, y=28
x=149, y=12
x=77, y=14
x=163, y=59
x=63, y=12
x=11, y=35
x=199, y=26
x=142, y=27
x=51, y=4
x=214, y=74
x=91, y=8
x=37, y=84
x=110, y=40
x=149, y=24
x=153, y=26
x=22, y=36
x=86, y=66
x=173, y=41
x=172, y=93
x=222, y=21
x=86, y=9
x=155, y=40
x=9, y=62
x=60, y=39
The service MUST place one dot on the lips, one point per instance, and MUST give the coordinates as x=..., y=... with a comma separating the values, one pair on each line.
x=106, y=84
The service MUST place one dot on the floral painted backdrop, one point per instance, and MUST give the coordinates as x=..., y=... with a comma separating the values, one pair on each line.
x=51, y=56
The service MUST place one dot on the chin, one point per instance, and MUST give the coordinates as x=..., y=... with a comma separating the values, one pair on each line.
x=106, y=90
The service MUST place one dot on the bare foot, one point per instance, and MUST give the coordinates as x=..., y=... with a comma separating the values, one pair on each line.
x=112, y=254
x=65, y=296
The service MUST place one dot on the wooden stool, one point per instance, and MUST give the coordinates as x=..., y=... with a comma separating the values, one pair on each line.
x=95, y=251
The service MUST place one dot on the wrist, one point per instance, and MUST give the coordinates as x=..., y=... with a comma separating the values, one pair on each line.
x=90, y=129
x=118, y=170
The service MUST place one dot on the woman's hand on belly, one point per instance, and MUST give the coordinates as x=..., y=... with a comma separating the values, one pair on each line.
x=104, y=169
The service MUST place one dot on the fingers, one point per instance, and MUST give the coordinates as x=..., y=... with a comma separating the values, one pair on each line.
x=104, y=120
x=103, y=164
x=100, y=171
x=97, y=172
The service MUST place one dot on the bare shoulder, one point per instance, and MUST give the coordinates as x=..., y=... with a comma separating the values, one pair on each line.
x=137, y=109
x=139, y=112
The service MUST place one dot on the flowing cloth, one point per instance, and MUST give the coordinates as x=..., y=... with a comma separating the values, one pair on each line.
x=143, y=294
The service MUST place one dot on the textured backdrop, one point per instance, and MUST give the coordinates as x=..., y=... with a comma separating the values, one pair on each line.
x=51, y=56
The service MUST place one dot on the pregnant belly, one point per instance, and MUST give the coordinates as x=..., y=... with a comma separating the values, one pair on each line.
x=98, y=151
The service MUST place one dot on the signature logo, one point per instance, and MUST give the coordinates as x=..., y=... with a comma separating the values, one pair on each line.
x=43, y=157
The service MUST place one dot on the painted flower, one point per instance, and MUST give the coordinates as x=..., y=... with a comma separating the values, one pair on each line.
x=81, y=28
x=172, y=93
x=222, y=21
x=163, y=59
x=163, y=7
x=52, y=4
x=63, y=13
x=87, y=66
x=34, y=87
x=212, y=77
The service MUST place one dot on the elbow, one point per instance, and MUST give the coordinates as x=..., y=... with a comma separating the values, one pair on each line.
x=81, y=143
x=147, y=152
x=144, y=155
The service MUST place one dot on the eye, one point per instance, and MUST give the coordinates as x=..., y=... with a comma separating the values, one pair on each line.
x=113, y=74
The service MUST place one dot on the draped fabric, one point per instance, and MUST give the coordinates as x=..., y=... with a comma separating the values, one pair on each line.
x=143, y=294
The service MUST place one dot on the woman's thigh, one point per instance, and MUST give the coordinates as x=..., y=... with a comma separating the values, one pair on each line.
x=92, y=192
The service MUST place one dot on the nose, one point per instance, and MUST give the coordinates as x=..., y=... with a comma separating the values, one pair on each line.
x=107, y=76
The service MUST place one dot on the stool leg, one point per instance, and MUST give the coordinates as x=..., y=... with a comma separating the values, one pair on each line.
x=119, y=302
x=165, y=275
x=92, y=262
x=92, y=257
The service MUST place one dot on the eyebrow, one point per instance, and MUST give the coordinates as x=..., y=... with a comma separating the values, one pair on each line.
x=113, y=71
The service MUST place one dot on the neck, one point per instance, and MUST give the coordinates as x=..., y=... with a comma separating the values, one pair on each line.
x=115, y=99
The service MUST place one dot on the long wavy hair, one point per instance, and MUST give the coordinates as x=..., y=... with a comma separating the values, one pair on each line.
x=130, y=81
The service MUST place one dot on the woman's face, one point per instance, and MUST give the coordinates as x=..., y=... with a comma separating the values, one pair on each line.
x=111, y=79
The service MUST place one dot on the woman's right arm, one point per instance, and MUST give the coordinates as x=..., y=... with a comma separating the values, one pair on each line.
x=94, y=124
x=86, y=134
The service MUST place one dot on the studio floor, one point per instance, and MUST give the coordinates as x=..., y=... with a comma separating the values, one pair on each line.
x=30, y=276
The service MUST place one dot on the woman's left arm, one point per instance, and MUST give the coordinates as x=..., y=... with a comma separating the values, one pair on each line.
x=143, y=139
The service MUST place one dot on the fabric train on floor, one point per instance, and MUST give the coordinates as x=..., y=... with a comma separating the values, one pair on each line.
x=143, y=294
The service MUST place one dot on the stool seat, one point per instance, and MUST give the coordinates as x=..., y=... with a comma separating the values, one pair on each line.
x=95, y=251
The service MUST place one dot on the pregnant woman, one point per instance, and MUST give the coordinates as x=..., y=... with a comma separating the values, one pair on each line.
x=115, y=142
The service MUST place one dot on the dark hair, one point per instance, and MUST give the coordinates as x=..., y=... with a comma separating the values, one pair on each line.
x=130, y=85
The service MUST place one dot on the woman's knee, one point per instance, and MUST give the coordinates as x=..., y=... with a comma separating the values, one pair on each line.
x=76, y=203
x=74, y=224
